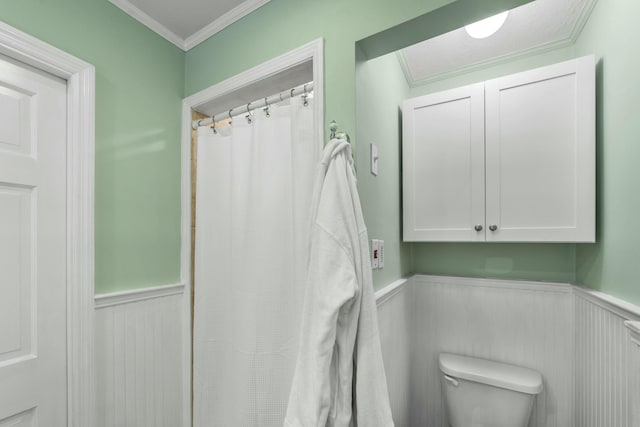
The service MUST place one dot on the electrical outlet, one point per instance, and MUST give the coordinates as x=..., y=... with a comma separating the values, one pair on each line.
x=374, y=254
x=380, y=253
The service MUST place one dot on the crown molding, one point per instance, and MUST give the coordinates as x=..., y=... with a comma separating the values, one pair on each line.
x=146, y=20
x=497, y=60
x=578, y=26
x=235, y=14
x=238, y=12
x=582, y=20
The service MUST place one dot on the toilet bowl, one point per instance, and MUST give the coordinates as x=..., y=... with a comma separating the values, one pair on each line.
x=483, y=393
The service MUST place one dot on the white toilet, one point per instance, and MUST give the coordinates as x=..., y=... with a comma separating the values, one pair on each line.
x=482, y=393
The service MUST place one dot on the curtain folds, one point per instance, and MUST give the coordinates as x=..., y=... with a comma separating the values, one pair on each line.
x=254, y=185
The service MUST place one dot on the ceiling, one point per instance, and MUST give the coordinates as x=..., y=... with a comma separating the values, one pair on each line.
x=535, y=26
x=186, y=23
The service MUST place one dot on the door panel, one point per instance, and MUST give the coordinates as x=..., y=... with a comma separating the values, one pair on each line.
x=540, y=154
x=16, y=281
x=443, y=165
x=33, y=379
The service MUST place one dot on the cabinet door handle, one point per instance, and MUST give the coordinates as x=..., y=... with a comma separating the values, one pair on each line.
x=478, y=227
x=493, y=227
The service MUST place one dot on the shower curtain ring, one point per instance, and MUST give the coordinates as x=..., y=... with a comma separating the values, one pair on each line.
x=266, y=108
x=248, y=116
x=230, y=120
x=213, y=128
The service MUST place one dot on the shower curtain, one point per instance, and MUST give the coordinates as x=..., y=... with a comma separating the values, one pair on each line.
x=254, y=184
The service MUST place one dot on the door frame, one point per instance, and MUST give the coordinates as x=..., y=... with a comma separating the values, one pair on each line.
x=312, y=51
x=80, y=145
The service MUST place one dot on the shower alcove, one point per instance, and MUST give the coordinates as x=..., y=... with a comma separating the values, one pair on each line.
x=277, y=76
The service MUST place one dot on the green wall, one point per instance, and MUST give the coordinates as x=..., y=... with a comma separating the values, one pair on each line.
x=378, y=107
x=140, y=82
x=141, y=79
x=612, y=265
x=139, y=88
x=549, y=262
x=283, y=25
x=380, y=88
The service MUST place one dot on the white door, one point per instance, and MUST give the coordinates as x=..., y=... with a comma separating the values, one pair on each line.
x=443, y=166
x=33, y=367
x=540, y=154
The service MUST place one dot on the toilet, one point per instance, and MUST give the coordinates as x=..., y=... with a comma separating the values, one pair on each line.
x=483, y=393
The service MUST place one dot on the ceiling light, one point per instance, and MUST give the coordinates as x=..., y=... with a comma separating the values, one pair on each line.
x=486, y=27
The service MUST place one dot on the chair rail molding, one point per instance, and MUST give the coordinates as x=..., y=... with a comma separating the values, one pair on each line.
x=634, y=328
x=137, y=295
x=80, y=77
x=389, y=291
x=614, y=305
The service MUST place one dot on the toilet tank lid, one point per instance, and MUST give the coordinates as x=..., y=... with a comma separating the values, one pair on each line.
x=492, y=373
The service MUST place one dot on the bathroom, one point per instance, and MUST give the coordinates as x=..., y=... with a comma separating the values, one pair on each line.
x=141, y=80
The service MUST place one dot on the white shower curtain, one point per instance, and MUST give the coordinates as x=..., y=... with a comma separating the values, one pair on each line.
x=254, y=184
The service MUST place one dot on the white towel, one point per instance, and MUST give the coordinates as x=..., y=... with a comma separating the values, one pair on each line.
x=339, y=377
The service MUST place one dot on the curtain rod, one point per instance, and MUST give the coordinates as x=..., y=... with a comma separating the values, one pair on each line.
x=260, y=103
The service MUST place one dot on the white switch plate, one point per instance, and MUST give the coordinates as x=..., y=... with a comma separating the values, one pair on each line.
x=374, y=254
x=374, y=159
x=380, y=253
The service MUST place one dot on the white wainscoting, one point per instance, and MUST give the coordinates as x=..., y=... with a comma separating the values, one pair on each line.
x=575, y=337
x=396, y=339
x=607, y=362
x=522, y=323
x=139, y=351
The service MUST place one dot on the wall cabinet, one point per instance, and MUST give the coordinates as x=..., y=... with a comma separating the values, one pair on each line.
x=506, y=160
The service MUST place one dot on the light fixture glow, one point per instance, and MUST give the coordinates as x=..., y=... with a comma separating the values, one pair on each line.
x=487, y=26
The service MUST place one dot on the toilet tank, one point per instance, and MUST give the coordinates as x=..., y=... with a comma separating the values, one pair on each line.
x=484, y=393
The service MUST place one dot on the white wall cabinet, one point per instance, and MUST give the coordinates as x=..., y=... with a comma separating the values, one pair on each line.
x=507, y=160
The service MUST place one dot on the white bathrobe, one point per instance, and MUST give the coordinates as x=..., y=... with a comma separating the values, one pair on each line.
x=339, y=377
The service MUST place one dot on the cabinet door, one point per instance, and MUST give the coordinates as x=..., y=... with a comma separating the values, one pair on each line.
x=443, y=166
x=540, y=154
